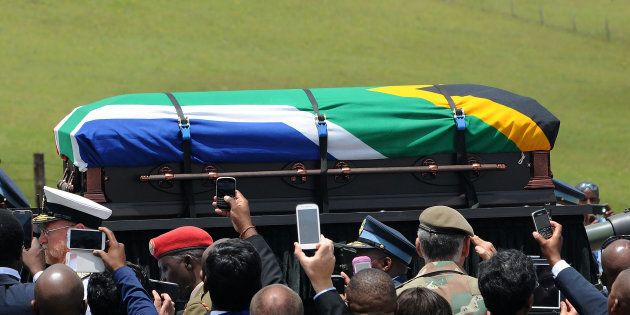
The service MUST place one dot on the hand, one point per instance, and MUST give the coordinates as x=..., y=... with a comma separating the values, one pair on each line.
x=551, y=247
x=238, y=214
x=163, y=305
x=318, y=268
x=115, y=257
x=567, y=309
x=484, y=249
x=346, y=281
x=34, y=258
x=609, y=211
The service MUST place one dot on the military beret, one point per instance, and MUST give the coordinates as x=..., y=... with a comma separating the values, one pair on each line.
x=375, y=234
x=444, y=220
x=180, y=239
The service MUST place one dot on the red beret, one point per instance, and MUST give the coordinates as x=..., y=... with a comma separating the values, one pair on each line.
x=179, y=239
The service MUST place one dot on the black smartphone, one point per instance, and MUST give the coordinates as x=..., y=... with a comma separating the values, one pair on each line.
x=86, y=239
x=339, y=283
x=226, y=186
x=542, y=222
x=170, y=288
x=599, y=209
x=25, y=217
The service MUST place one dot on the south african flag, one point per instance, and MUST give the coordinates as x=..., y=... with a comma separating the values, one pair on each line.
x=280, y=125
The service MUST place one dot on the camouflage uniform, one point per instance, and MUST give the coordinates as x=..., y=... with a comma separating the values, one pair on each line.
x=199, y=303
x=452, y=283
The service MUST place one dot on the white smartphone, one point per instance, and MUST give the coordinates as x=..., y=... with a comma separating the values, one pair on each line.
x=307, y=217
x=81, y=243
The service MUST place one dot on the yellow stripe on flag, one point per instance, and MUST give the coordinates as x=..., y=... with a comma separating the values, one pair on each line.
x=519, y=128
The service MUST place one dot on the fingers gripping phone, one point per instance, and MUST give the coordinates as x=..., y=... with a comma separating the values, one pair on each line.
x=542, y=223
x=361, y=262
x=226, y=186
x=81, y=243
x=25, y=217
x=307, y=217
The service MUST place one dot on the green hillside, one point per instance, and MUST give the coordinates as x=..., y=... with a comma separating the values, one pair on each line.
x=57, y=55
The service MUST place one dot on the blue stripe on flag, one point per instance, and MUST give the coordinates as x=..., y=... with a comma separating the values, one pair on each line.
x=147, y=142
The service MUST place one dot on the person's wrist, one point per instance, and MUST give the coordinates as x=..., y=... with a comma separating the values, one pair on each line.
x=247, y=232
x=320, y=285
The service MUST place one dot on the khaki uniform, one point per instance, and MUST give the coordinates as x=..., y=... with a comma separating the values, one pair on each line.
x=199, y=303
x=452, y=283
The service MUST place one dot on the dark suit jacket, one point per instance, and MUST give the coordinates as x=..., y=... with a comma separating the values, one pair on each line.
x=271, y=272
x=15, y=297
x=330, y=303
x=581, y=293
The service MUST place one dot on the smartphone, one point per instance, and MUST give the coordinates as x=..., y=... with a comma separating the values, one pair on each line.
x=86, y=239
x=81, y=243
x=361, y=262
x=542, y=222
x=546, y=295
x=25, y=217
x=599, y=209
x=226, y=186
x=339, y=283
x=307, y=217
x=170, y=288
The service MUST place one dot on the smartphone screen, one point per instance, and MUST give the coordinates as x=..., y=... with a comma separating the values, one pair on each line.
x=25, y=217
x=361, y=262
x=226, y=186
x=541, y=222
x=85, y=239
x=308, y=225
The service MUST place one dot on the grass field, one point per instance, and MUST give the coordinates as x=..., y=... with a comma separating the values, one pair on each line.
x=57, y=55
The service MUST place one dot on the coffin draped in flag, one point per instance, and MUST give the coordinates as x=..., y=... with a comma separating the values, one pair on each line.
x=258, y=126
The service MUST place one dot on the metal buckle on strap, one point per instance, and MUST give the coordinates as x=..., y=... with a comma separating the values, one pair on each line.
x=184, y=127
x=460, y=118
x=322, y=129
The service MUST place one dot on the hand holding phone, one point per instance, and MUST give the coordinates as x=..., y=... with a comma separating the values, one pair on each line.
x=542, y=222
x=339, y=283
x=226, y=186
x=307, y=217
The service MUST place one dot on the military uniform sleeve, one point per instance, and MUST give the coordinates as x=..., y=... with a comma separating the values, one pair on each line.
x=132, y=294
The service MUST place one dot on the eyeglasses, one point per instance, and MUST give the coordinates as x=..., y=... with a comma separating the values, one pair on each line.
x=47, y=232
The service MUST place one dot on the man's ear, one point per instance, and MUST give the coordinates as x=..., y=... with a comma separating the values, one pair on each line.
x=388, y=264
x=465, y=248
x=419, y=248
x=614, y=309
x=188, y=262
x=34, y=306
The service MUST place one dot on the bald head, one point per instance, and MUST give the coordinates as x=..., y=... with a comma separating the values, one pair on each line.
x=371, y=291
x=615, y=258
x=276, y=299
x=59, y=291
x=619, y=298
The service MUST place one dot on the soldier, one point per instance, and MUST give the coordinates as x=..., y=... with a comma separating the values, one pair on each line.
x=443, y=241
x=64, y=210
x=389, y=250
x=179, y=254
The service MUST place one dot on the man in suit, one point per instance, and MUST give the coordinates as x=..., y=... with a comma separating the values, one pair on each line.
x=235, y=269
x=581, y=293
x=59, y=291
x=15, y=297
x=276, y=299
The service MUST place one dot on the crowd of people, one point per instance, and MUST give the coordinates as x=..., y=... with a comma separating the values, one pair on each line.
x=242, y=275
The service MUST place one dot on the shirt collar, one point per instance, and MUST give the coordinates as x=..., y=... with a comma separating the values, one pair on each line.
x=438, y=266
x=11, y=272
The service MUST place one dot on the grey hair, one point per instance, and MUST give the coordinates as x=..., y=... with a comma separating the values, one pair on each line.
x=440, y=247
